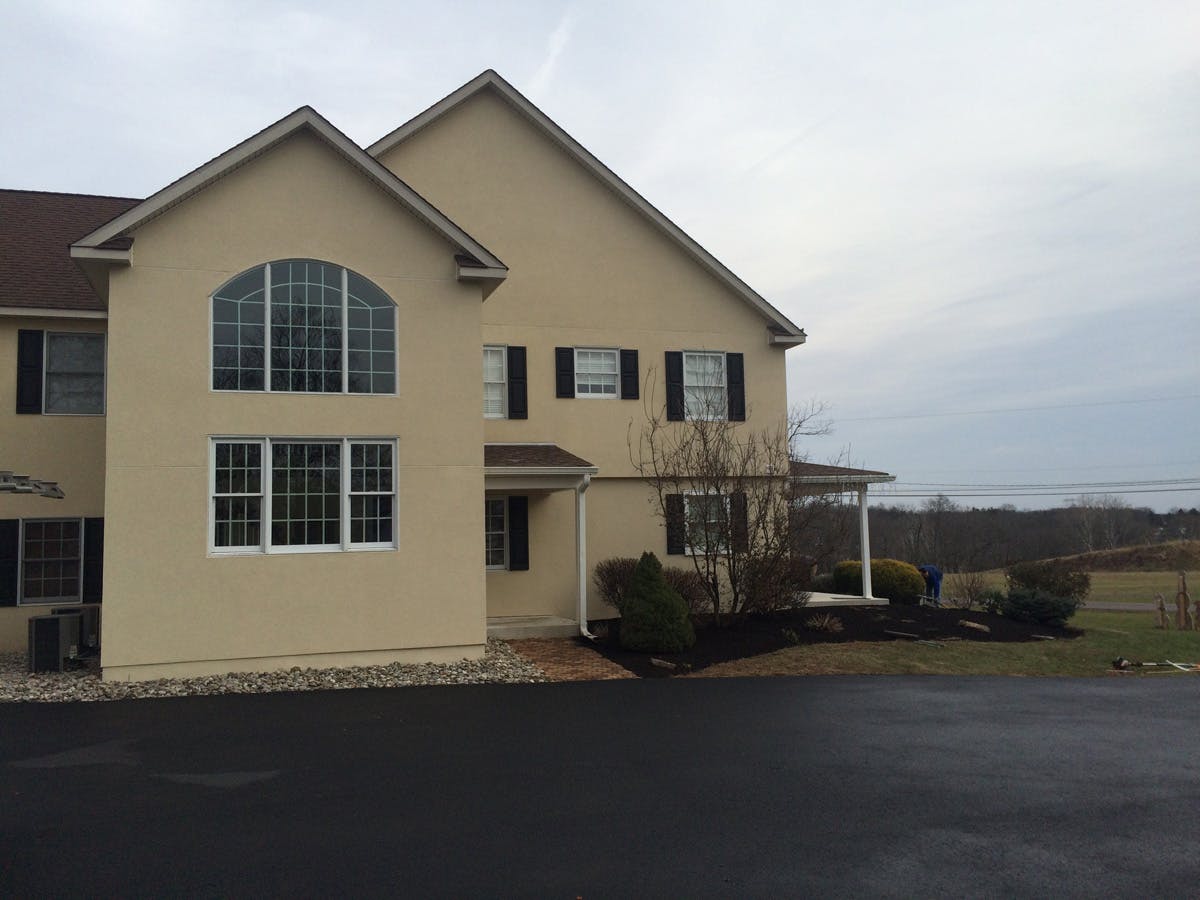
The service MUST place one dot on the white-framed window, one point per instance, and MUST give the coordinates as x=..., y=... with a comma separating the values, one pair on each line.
x=73, y=374
x=495, y=382
x=706, y=522
x=279, y=495
x=51, y=561
x=705, y=389
x=596, y=373
x=495, y=532
x=303, y=326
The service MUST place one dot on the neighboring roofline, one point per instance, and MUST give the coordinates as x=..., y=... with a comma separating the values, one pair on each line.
x=303, y=118
x=55, y=312
x=490, y=78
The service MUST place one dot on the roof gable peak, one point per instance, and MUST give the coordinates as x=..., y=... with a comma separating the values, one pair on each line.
x=782, y=331
x=304, y=118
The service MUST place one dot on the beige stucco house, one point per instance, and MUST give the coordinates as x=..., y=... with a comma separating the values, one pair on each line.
x=260, y=391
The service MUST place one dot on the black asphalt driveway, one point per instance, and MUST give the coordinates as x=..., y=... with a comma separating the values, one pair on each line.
x=826, y=787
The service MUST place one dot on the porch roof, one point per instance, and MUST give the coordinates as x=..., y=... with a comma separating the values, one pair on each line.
x=820, y=474
x=550, y=457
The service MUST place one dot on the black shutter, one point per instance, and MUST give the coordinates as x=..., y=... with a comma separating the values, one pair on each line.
x=29, y=371
x=518, y=405
x=735, y=378
x=93, y=560
x=629, y=375
x=518, y=534
x=676, y=531
x=564, y=372
x=675, y=387
x=740, y=524
x=10, y=555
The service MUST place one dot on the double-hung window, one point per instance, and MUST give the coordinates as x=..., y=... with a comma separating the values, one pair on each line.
x=51, y=558
x=705, y=392
x=706, y=520
x=495, y=532
x=301, y=325
x=495, y=383
x=596, y=373
x=60, y=373
x=273, y=495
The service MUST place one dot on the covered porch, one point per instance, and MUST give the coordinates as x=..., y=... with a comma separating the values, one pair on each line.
x=816, y=478
x=518, y=478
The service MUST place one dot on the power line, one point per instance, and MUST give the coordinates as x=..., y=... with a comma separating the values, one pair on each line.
x=885, y=494
x=1018, y=409
x=1083, y=485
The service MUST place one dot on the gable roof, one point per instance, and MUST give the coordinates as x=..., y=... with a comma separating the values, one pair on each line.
x=100, y=242
x=36, y=228
x=784, y=331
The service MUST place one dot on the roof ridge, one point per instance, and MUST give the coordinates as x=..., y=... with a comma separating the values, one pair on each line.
x=68, y=194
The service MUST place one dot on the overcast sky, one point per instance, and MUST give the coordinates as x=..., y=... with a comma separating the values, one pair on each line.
x=974, y=209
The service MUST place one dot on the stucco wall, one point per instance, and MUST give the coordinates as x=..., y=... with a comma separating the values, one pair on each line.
x=586, y=270
x=66, y=449
x=171, y=606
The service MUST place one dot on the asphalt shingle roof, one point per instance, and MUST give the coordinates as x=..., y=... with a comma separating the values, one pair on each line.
x=37, y=229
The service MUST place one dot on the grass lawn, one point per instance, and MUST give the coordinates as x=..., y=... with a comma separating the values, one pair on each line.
x=1107, y=636
x=1122, y=587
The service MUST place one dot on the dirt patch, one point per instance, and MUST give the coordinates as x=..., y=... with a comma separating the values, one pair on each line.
x=768, y=633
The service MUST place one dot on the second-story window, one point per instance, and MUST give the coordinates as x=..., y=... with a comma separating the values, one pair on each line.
x=704, y=389
x=495, y=383
x=596, y=373
x=300, y=325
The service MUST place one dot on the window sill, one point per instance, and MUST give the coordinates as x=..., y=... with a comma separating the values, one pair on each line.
x=218, y=552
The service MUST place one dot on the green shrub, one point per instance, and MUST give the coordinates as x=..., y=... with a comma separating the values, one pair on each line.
x=1051, y=576
x=613, y=577
x=892, y=579
x=1039, y=607
x=654, y=618
x=991, y=600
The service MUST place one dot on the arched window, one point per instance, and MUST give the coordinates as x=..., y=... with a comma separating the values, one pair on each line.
x=330, y=331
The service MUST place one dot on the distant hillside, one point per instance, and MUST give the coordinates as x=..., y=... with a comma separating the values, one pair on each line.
x=1172, y=556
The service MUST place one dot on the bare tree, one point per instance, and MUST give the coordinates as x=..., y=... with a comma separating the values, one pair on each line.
x=1100, y=521
x=724, y=492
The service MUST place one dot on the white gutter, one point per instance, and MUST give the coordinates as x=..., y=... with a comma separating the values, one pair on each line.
x=581, y=552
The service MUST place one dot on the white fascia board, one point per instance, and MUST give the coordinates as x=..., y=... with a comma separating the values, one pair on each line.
x=787, y=340
x=573, y=148
x=838, y=480
x=481, y=273
x=305, y=117
x=33, y=312
x=116, y=257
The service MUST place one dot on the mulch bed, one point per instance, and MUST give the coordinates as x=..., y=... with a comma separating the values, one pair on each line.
x=767, y=633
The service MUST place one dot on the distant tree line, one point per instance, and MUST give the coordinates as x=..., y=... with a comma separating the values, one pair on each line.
x=968, y=539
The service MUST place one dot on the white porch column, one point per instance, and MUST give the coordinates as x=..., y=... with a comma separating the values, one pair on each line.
x=864, y=532
x=581, y=551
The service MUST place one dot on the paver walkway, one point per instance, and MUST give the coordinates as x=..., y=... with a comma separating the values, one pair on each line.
x=565, y=659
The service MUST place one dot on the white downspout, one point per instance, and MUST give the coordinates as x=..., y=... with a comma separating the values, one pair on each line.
x=864, y=532
x=581, y=552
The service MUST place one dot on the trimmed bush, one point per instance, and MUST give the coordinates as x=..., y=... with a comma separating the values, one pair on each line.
x=1051, y=576
x=892, y=579
x=823, y=583
x=613, y=577
x=1039, y=607
x=991, y=600
x=654, y=618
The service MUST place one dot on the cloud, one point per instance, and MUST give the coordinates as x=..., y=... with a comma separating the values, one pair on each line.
x=559, y=38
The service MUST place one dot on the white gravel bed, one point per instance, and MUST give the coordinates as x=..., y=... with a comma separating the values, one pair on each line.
x=500, y=665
